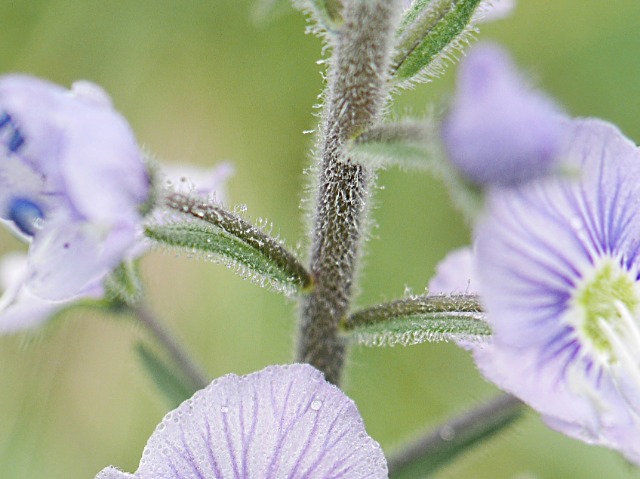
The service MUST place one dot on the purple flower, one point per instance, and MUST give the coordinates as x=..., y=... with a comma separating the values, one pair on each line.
x=498, y=131
x=284, y=421
x=21, y=309
x=558, y=267
x=72, y=183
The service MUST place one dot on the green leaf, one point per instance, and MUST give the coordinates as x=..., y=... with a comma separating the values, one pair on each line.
x=428, y=454
x=222, y=236
x=418, y=319
x=431, y=32
x=174, y=389
x=212, y=243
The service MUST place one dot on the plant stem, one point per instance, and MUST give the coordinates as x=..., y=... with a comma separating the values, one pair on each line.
x=356, y=93
x=181, y=358
x=454, y=437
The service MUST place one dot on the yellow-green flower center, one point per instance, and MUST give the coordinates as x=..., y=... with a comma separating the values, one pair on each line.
x=600, y=302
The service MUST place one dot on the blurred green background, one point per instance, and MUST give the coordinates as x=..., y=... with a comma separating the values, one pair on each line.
x=201, y=82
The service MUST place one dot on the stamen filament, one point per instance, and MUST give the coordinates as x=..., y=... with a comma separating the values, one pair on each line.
x=622, y=351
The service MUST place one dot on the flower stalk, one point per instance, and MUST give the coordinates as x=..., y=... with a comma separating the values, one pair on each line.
x=191, y=371
x=439, y=447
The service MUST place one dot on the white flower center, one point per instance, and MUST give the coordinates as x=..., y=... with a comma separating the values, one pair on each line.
x=605, y=310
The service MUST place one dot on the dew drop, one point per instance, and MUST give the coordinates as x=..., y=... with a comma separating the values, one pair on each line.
x=224, y=409
x=316, y=405
x=447, y=433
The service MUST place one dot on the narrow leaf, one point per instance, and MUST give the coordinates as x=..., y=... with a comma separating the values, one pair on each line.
x=449, y=440
x=174, y=389
x=418, y=319
x=431, y=31
x=219, y=235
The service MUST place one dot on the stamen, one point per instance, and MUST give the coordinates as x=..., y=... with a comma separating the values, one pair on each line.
x=621, y=349
x=629, y=324
x=26, y=215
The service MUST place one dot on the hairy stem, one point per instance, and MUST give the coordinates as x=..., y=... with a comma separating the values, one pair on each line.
x=356, y=93
x=181, y=358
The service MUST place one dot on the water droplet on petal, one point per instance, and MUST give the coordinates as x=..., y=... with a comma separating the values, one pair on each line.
x=316, y=405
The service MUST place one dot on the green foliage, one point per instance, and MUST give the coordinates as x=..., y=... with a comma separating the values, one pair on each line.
x=420, y=328
x=406, y=144
x=173, y=388
x=431, y=31
x=215, y=244
x=418, y=319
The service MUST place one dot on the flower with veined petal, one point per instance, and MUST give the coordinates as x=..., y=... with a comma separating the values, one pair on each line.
x=283, y=421
x=557, y=265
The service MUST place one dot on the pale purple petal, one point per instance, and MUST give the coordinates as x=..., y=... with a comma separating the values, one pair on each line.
x=91, y=93
x=196, y=180
x=455, y=274
x=105, y=177
x=284, y=421
x=497, y=9
x=498, y=131
x=65, y=258
x=19, y=308
x=536, y=248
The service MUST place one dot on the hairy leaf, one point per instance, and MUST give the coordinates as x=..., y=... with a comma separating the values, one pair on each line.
x=214, y=244
x=418, y=319
x=431, y=32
